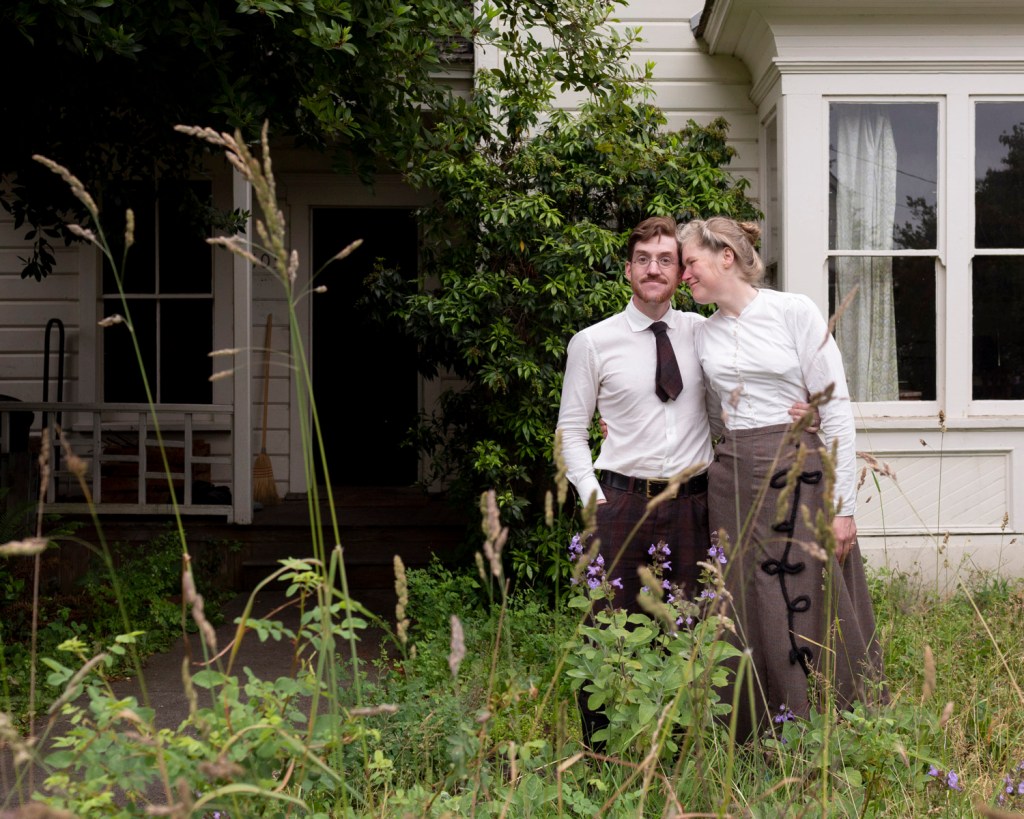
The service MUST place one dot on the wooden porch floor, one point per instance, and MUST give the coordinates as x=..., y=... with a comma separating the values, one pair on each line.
x=375, y=523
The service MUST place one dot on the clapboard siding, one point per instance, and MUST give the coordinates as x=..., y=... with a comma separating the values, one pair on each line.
x=642, y=11
x=690, y=84
x=28, y=306
x=692, y=66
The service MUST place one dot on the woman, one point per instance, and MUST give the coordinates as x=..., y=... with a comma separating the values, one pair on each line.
x=804, y=611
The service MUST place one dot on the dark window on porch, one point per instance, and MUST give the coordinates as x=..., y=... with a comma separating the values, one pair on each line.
x=168, y=282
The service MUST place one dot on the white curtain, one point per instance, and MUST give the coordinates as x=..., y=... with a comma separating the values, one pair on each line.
x=865, y=214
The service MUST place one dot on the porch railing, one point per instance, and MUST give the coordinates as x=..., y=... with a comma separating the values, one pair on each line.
x=126, y=473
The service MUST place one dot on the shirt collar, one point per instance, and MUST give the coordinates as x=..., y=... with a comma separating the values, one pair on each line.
x=638, y=321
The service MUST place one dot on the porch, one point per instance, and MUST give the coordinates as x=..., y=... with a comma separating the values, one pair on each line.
x=135, y=497
x=120, y=446
x=375, y=524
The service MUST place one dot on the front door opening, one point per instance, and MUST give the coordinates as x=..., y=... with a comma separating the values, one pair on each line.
x=364, y=375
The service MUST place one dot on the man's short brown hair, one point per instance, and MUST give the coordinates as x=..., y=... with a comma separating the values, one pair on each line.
x=648, y=229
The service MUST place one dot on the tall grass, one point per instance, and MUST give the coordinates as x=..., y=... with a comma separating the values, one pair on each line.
x=470, y=709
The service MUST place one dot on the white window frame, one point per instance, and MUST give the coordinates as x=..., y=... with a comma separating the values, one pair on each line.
x=985, y=407
x=956, y=95
x=900, y=409
x=221, y=293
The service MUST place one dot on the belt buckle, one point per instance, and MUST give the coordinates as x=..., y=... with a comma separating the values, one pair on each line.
x=651, y=493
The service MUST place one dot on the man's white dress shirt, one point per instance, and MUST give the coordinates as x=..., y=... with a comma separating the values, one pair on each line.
x=610, y=368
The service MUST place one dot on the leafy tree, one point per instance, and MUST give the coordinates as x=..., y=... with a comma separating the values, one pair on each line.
x=922, y=230
x=98, y=86
x=524, y=245
x=999, y=196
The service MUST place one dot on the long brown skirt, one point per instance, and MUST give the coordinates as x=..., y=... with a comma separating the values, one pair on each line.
x=806, y=620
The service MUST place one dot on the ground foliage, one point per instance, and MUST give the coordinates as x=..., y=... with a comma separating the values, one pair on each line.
x=480, y=720
x=92, y=610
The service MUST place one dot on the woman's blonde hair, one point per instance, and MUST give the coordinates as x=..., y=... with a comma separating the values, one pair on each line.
x=720, y=232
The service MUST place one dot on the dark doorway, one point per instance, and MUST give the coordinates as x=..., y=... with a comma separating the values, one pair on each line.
x=364, y=376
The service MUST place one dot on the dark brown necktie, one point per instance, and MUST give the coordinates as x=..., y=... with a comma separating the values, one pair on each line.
x=668, y=382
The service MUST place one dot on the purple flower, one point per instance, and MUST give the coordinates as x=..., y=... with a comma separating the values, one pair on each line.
x=953, y=781
x=717, y=553
x=652, y=550
x=1020, y=787
x=667, y=565
x=617, y=583
x=666, y=585
x=784, y=715
x=593, y=582
x=575, y=547
x=933, y=771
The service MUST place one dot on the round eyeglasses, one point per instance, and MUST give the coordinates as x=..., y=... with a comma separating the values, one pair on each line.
x=664, y=262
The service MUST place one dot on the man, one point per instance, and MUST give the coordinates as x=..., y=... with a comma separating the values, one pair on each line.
x=655, y=429
x=652, y=435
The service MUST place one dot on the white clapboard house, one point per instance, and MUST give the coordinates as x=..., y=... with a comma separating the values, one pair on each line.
x=884, y=143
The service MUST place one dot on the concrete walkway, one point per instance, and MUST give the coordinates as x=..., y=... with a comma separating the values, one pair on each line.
x=162, y=674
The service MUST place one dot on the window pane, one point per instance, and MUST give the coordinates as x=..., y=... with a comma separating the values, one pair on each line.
x=999, y=174
x=186, y=339
x=122, y=381
x=887, y=330
x=186, y=259
x=139, y=271
x=998, y=330
x=882, y=175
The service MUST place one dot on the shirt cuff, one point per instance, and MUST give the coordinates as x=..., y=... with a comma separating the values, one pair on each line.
x=587, y=487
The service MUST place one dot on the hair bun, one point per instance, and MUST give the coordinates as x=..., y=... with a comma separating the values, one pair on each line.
x=753, y=231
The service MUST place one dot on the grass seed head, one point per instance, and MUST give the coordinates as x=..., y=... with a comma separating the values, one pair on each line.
x=928, y=687
x=457, y=651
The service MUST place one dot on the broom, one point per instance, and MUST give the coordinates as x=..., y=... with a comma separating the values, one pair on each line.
x=264, y=489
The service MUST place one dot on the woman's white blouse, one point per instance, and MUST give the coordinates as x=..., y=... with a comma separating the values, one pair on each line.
x=776, y=352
